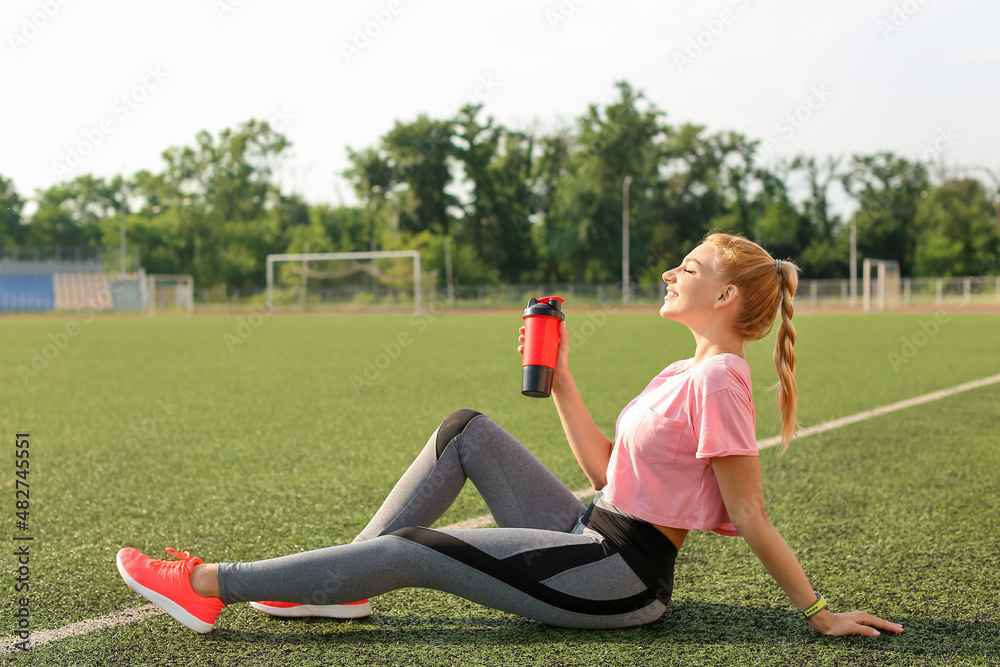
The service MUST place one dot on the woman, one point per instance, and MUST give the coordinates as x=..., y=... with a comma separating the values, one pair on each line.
x=684, y=458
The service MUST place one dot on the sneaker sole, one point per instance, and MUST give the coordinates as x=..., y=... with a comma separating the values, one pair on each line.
x=322, y=611
x=179, y=613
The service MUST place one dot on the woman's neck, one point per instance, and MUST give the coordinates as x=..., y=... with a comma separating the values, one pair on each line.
x=709, y=346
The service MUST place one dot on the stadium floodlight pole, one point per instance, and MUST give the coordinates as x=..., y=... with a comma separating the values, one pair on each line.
x=121, y=241
x=447, y=271
x=320, y=256
x=625, y=281
x=854, y=260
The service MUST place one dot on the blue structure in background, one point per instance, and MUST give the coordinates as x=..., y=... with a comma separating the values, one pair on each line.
x=26, y=293
x=67, y=280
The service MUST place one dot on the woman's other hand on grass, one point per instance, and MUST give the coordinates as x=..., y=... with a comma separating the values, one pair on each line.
x=852, y=623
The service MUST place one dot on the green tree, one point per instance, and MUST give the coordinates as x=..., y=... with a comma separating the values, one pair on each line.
x=887, y=189
x=817, y=207
x=551, y=170
x=739, y=176
x=778, y=225
x=825, y=254
x=346, y=228
x=513, y=244
x=691, y=191
x=69, y=214
x=228, y=206
x=13, y=231
x=498, y=165
x=959, y=236
x=419, y=155
x=584, y=224
x=373, y=179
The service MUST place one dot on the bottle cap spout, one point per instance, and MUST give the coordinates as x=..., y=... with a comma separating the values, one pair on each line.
x=546, y=305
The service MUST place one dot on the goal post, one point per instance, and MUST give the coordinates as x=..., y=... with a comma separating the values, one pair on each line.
x=324, y=256
x=169, y=292
x=883, y=285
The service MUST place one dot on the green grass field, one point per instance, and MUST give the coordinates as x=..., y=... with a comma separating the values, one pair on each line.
x=241, y=442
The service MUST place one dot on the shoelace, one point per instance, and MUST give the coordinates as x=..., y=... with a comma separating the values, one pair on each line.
x=174, y=569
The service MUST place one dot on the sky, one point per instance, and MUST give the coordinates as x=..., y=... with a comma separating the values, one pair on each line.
x=104, y=87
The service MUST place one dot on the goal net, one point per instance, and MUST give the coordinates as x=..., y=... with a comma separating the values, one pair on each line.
x=881, y=285
x=167, y=294
x=388, y=279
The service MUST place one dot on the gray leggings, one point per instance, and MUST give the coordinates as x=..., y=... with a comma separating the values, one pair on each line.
x=540, y=563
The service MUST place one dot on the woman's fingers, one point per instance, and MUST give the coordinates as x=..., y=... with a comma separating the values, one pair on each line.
x=881, y=623
x=862, y=623
x=866, y=630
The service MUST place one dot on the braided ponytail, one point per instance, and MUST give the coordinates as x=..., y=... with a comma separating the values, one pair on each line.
x=784, y=354
x=766, y=286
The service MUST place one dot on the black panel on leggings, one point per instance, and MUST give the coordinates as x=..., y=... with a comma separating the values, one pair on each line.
x=452, y=426
x=649, y=553
x=540, y=564
x=527, y=583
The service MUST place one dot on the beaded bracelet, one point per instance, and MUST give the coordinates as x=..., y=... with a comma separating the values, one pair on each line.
x=815, y=608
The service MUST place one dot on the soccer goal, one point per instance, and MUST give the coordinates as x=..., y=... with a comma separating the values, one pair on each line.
x=881, y=287
x=168, y=293
x=385, y=278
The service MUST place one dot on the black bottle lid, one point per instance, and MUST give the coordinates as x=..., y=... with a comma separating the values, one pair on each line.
x=546, y=305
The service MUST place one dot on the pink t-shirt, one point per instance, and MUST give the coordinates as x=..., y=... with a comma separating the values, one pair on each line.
x=660, y=470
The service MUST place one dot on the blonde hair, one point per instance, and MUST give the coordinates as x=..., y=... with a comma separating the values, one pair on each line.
x=765, y=285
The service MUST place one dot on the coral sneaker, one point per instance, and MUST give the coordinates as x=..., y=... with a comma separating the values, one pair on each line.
x=358, y=609
x=167, y=584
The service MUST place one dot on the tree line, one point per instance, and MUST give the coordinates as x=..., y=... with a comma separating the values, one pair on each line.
x=521, y=205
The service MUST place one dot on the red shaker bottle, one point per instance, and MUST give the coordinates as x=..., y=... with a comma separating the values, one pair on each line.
x=541, y=345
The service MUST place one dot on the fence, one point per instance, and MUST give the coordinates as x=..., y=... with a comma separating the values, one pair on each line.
x=983, y=290
x=69, y=259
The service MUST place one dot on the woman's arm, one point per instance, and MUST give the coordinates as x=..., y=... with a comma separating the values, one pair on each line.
x=590, y=446
x=742, y=491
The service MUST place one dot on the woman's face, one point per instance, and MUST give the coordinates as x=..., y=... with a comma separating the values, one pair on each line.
x=692, y=287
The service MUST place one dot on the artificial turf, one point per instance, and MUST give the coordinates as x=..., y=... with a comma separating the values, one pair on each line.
x=288, y=440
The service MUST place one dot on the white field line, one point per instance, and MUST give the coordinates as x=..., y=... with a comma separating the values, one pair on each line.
x=136, y=614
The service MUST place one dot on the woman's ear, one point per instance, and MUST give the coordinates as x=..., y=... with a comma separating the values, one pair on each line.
x=727, y=296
